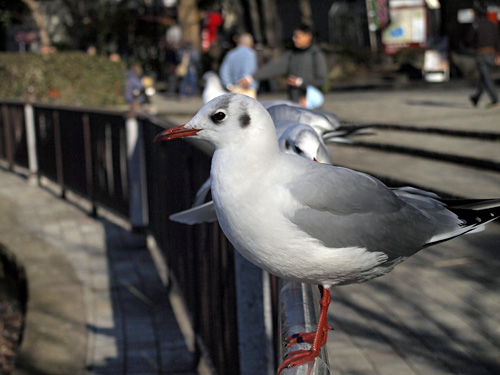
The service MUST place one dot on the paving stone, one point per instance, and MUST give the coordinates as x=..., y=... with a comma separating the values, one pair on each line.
x=95, y=270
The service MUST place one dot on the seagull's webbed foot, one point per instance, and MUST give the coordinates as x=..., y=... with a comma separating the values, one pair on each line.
x=298, y=357
x=317, y=339
x=307, y=337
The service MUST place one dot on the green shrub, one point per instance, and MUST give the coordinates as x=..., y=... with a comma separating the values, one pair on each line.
x=73, y=78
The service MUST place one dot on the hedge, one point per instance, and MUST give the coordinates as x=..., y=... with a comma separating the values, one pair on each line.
x=74, y=78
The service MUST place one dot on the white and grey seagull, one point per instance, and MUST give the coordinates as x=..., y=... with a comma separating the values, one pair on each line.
x=326, y=124
x=312, y=222
x=213, y=87
x=293, y=137
x=296, y=138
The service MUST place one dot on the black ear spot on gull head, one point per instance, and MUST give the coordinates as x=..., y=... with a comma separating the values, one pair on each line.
x=244, y=120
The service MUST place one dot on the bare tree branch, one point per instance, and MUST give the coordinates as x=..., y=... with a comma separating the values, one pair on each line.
x=306, y=12
x=187, y=12
x=40, y=22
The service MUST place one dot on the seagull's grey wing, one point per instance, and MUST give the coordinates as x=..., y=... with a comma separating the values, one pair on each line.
x=342, y=134
x=196, y=215
x=271, y=103
x=332, y=117
x=282, y=125
x=340, y=190
x=412, y=191
x=319, y=122
x=343, y=208
x=452, y=217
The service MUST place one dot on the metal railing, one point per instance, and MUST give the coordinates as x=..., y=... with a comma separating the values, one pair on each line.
x=298, y=312
x=84, y=151
x=108, y=157
x=200, y=257
x=13, y=145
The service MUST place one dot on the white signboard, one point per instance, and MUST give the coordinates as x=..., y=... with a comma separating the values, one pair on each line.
x=408, y=27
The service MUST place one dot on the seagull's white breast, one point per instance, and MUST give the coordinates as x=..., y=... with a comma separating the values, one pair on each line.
x=255, y=216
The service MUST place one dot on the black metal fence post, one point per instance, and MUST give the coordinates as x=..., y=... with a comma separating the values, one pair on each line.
x=8, y=146
x=89, y=174
x=58, y=152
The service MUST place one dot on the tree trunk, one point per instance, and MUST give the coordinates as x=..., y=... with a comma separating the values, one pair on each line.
x=306, y=12
x=272, y=23
x=187, y=14
x=40, y=22
x=232, y=11
x=255, y=19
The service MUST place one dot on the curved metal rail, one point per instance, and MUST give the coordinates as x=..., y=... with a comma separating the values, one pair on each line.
x=299, y=311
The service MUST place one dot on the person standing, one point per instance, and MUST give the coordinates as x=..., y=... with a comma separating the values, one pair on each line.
x=485, y=39
x=169, y=67
x=304, y=65
x=188, y=70
x=134, y=89
x=239, y=63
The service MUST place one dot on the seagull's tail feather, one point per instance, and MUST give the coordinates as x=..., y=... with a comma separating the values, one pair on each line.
x=341, y=135
x=196, y=215
x=473, y=213
x=202, y=193
x=473, y=204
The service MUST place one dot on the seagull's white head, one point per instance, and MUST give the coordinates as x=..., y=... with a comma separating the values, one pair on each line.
x=301, y=139
x=211, y=76
x=230, y=120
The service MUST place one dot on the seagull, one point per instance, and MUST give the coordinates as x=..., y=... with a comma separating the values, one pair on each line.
x=293, y=137
x=318, y=121
x=326, y=124
x=213, y=87
x=303, y=140
x=312, y=222
x=271, y=103
x=297, y=138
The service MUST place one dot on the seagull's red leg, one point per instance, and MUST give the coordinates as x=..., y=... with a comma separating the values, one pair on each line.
x=309, y=336
x=302, y=356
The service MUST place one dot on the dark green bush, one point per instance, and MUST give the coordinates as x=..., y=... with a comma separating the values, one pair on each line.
x=65, y=78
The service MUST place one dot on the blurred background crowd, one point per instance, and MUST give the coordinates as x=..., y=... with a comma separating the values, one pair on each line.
x=397, y=39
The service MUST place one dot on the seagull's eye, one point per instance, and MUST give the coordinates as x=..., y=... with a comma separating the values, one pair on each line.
x=298, y=149
x=218, y=117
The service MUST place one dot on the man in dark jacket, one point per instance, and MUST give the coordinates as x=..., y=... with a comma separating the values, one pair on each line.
x=304, y=65
x=486, y=42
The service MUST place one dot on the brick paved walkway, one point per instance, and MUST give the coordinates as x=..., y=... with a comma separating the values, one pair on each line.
x=438, y=313
x=97, y=304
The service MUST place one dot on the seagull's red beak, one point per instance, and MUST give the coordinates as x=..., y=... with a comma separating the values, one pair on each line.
x=177, y=132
